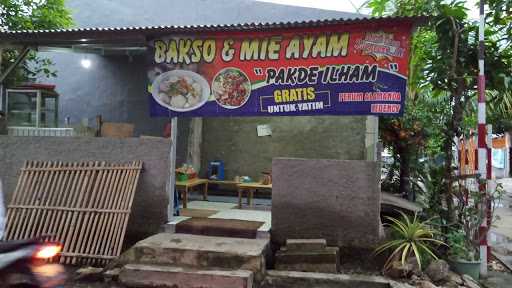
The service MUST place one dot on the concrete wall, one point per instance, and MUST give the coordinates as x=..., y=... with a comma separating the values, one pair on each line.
x=331, y=199
x=113, y=86
x=149, y=210
x=116, y=86
x=235, y=141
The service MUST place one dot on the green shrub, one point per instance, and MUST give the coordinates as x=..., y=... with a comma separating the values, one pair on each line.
x=411, y=237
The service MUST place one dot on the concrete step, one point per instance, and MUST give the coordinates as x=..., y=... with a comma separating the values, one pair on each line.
x=290, y=279
x=323, y=261
x=134, y=275
x=305, y=244
x=200, y=252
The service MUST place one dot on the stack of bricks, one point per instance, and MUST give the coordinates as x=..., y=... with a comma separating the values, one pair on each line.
x=308, y=255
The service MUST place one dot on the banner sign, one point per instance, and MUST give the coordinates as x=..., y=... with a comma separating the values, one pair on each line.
x=349, y=69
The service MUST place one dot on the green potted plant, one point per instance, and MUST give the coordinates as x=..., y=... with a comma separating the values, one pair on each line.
x=411, y=238
x=463, y=237
x=463, y=255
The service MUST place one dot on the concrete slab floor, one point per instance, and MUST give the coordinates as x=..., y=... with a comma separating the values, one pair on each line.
x=236, y=246
x=258, y=203
x=249, y=215
x=227, y=211
x=210, y=205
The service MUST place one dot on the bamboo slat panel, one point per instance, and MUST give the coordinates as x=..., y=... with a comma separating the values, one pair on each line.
x=85, y=206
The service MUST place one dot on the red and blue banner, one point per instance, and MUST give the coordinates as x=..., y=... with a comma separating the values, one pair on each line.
x=342, y=69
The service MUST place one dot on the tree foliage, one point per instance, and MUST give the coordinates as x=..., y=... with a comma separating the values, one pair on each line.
x=30, y=15
x=441, y=100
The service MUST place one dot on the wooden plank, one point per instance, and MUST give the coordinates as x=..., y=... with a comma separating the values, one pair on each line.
x=19, y=218
x=85, y=180
x=85, y=205
x=83, y=218
x=50, y=214
x=45, y=198
x=119, y=219
x=107, y=247
x=22, y=180
x=224, y=182
x=64, y=195
x=78, y=168
x=70, y=194
x=117, y=130
x=39, y=198
x=56, y=208
x=254, y=185
x=191, y=182
x=79, y=255
x=93, y=235
x=104, y=222
x=63, y=229
x=128, y=206
x=33, y=199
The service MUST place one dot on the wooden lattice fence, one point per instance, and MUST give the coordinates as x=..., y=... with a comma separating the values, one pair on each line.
x=85, y=206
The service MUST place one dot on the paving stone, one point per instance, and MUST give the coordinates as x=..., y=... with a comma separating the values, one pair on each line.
x=305, y=244
x=175, y=277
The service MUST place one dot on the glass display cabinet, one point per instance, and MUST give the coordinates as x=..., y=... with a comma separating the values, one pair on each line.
x=32, y=108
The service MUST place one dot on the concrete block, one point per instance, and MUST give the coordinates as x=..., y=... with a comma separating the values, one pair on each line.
x=305, y=244
x=324, y=261
x=174, y=277
x=336, y=200
x=291, y=279
x=200, y=252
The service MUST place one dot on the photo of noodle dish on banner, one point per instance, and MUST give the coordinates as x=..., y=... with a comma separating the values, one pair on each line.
x=349, y=69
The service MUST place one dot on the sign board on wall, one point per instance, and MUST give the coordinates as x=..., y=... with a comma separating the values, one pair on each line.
x=342, y=69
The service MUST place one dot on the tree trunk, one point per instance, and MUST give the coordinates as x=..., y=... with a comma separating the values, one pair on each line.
x=447, y=150
x=405, y=173
x=452, y=130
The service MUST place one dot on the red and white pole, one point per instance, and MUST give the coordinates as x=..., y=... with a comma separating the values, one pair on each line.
x=483, y=163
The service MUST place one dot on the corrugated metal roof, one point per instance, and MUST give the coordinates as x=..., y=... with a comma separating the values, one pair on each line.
x=136, y=34
x=221, y=27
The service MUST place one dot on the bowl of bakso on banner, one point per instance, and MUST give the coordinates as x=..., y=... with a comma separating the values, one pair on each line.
x=231, y=88
x=180, y=90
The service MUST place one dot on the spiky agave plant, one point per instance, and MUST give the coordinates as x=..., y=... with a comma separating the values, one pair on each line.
x=413, y=237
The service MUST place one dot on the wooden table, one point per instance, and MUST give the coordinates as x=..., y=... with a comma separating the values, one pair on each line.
x=250, y=187
x=185, y=186
x=224, y=182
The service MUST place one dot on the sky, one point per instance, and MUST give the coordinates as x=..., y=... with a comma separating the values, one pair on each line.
x=352, y=5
